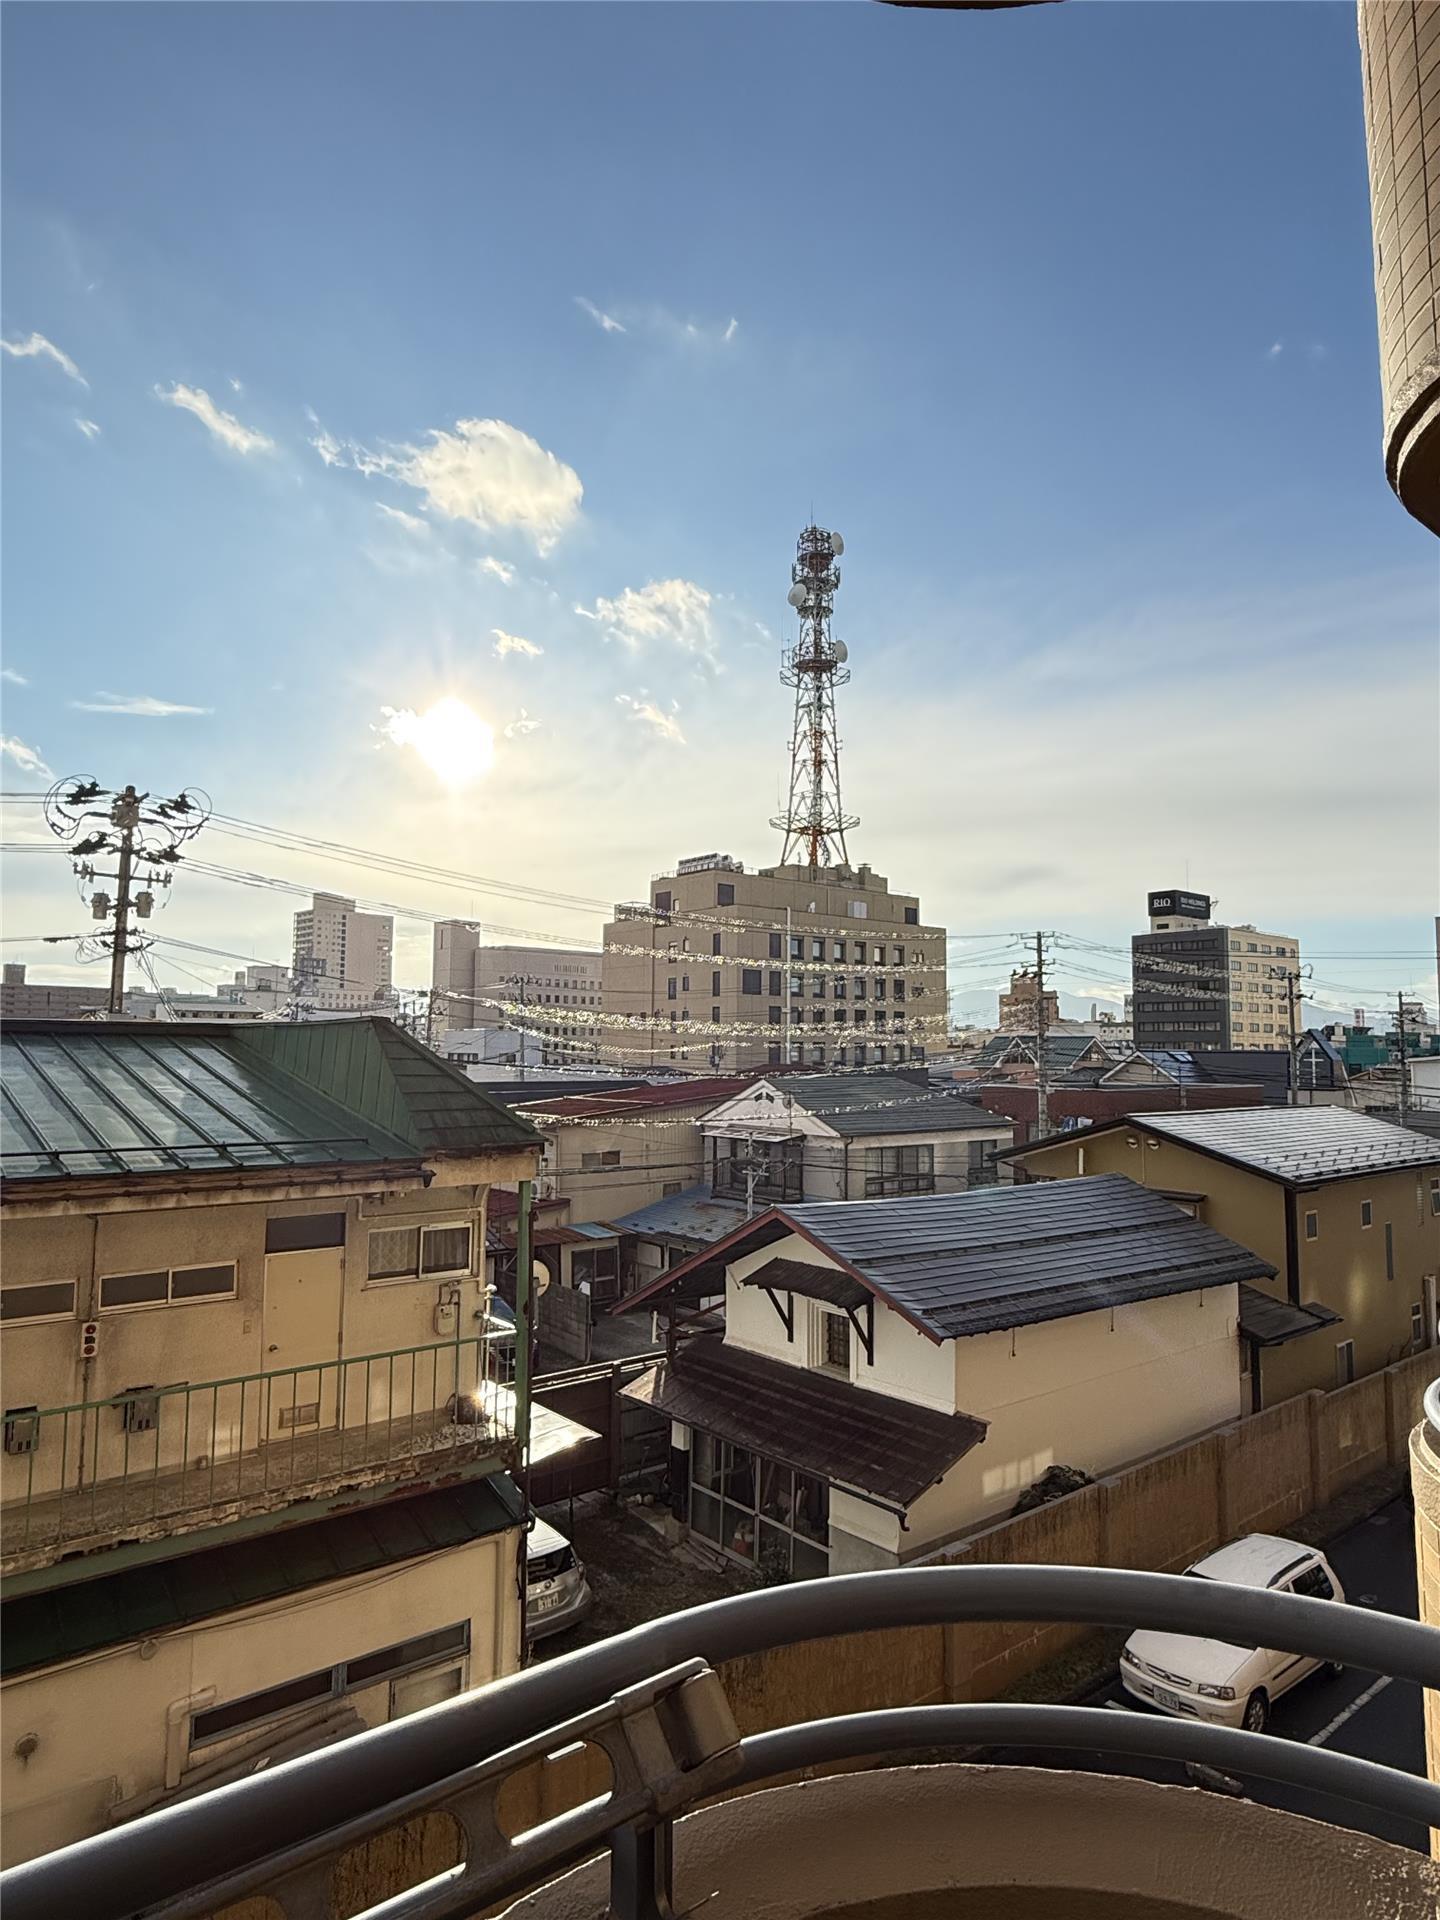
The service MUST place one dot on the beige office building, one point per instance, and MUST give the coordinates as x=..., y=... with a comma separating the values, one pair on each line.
x=1400, y=60
x=343, y=957
x=734, y=969
x=553, y=992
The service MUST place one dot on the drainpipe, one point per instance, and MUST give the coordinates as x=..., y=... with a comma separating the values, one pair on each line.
x=524, y=1333
x=1292, y=1249
x=87, y=1366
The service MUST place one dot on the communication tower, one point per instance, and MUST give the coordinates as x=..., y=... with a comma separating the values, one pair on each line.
x=815, y=823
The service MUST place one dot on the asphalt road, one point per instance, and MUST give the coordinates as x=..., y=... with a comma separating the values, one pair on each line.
x=1357, y=1713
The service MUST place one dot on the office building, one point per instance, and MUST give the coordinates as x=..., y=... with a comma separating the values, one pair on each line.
x=343, y=957
x=1022, y=1007
x=552, y=992
x=22, y=999
x=1400, y=62
x=1199, y=985
x=736, y=969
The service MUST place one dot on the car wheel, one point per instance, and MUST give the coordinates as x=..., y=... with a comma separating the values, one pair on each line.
x=1257, y=1711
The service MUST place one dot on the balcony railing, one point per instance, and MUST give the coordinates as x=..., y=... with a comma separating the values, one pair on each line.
x=652, y=1702
x=166, y=1459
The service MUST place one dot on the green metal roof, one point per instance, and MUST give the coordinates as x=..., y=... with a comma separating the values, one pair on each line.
x=65, y=1622
x=86, y=1099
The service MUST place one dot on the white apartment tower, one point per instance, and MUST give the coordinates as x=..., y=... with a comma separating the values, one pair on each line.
x=343, y=958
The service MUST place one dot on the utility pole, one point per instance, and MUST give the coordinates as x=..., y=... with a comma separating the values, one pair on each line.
x=125, y=814
x=1294, y=1036
x=1042, y=1074
x=1404, y=1061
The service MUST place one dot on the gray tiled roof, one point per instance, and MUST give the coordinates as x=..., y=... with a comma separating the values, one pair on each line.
x=860, y=1104
x=1299, y=1146
x=1270, y=1322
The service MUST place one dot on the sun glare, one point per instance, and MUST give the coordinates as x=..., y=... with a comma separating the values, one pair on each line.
x=450, y=737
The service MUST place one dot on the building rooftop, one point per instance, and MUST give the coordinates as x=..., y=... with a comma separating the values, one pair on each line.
x=87, y=1100
x=638, y=1099
x=1270, y=1322
x=997, y=1257
x=890, y=1449
x=1321, y=1067
x=694, y=1216
x=855, y=1104
x=1062, y=1050
x=1297, y=1146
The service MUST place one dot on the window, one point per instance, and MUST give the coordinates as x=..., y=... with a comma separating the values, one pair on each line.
x=817, y=987
x=880, y=987
x=896, y=1170
x=715, y=943
x=670, y=1187
x=860, y=988
x=837, y=987
x=797, y=946
x=859, y=1016
x=817, y=1056
x=1435, y=1196
x=1312, y=1226
x=772, y=1056
x=755, y=1509
x=52, y=1300
x=912, y=916
x=685, y=983
x=594, y=1162
x=776, y=985
x=1389, y=1251
x=858, y=910
x=596, y=1271
x=838, y=1016
x=839, y=1056
x=715, y=985
x=752, y=980
x=715, y=1015
x=860, y=1056
x=119, y=1290
x=797, y=985
x=662, y=903
x=1417, y=1326
x=1313, y=1584
x=817, y=949
x=879, y=1056
x=672, y=987
x=775, y=1166
x=982, y=1171
x=409, y=1253
x=777, y=946
x=835, y=1342
x=1344, y=1363
x=299, y=1232
x=776, y=1016
x=725, y=893
x=837, y=950
x=818, y=1017
x=899, y=989
x=899, y=956
x=348, y=1676
x=1367, y=1214
x=859, y=955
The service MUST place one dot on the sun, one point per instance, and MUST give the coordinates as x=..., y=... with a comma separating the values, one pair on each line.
x=450, y=737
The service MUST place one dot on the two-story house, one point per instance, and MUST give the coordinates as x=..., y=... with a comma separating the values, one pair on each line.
x=1345, y=1209
x=257, y=1453
x=893, y=1372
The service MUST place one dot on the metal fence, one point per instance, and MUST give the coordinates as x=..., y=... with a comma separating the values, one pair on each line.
x=652, y=1702
x=154, y=1457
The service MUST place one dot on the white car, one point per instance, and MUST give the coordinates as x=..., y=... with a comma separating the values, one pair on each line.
x=1211, y=1680
x=557, y=1594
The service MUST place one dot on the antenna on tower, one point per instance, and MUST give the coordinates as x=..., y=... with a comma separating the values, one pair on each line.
x=814, y=822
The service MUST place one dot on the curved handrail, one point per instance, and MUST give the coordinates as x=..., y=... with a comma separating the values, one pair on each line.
x=1432, y=1412
x=156, y=1857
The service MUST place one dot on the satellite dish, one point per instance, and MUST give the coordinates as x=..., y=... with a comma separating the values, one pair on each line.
x=540, y=1276
x=842, y=652
x=837, y=545
x=797, y=595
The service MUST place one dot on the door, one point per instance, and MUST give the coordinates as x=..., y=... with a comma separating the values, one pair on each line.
x=1312, y=1583
x=302, y=1334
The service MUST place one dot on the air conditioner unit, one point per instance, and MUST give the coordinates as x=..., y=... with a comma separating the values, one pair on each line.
x=22, y=1429
x=139, y=1409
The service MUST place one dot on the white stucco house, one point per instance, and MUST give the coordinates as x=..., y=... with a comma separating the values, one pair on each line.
x=892, y=1373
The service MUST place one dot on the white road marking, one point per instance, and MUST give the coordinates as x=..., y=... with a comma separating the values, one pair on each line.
x=1347, y=1713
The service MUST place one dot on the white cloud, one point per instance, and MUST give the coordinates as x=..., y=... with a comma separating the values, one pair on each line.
x=409, y=521
x=512, y=643
x=15, y=679
x=642, y=708
x=500, y=569
x=520, y=725
x=26, y=758
x=1276, y=348
x=89, y=428
x=224, y=426
x=235, y=386
x=144, y=706
x=37, y=347
x=605, y=321
x=485, y=471
x=675, y=612
x=731, y=330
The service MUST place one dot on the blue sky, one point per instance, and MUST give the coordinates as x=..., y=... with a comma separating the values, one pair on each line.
x=1063, y=317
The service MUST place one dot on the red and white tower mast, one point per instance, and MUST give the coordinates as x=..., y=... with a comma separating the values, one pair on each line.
x=815, y=823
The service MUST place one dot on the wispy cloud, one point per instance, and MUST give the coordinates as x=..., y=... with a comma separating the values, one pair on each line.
x=674, y=612
x=1275, y=349
x=235, y=386
x=521, y=725
x=229, y=431
x=143, y=706
x=485, y=471
x=36, y=347
x=662, y=724
x=732, y=327
x=512, y=643
x=409, y=521
x=15, y=679
x=605, y=321
x=500, y=570
x=90, y=428
x=25, y=757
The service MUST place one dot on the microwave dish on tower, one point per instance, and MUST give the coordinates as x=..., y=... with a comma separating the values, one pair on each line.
x=814, y=822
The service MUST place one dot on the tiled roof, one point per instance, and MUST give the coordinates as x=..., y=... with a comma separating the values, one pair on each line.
x=641, y=1099
x=1270, y=1322
x=1298, y=1146
x=94, y=1099
x=888, y=1448
x=858, y=1104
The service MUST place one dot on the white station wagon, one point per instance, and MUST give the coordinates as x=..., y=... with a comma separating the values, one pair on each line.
x=1211, y=1680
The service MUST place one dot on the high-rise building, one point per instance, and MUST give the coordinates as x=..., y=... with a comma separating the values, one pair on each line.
x=1021, y=1008
x=343, y=958
x=1200, y=986
x=552, y=992
x=22, y=999
x=1400, y=61
x=724, y=968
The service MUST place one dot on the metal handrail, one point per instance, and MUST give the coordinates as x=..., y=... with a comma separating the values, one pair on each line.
x=165, y=1855
x=1432, y=1412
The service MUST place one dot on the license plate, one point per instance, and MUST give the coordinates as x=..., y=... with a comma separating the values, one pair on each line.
x=547, y=1602
x=1170, y=1701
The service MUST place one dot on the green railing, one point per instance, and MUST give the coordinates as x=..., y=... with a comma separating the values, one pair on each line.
x=164, y=1458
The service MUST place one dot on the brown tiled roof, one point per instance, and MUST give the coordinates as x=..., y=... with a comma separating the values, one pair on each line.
x=810, y=1281
x=888, y=1448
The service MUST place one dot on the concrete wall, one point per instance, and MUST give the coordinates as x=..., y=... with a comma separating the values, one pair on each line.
x=665, y=1151
x=1425, y=1480
x=116, y=1724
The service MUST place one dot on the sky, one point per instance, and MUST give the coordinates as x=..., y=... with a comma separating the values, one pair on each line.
x=362, y=359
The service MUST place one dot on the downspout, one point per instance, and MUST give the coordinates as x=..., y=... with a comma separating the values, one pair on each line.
x=87, y=1365
x=845, y=1175
x=523, y=1337
x=1292, y=1249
